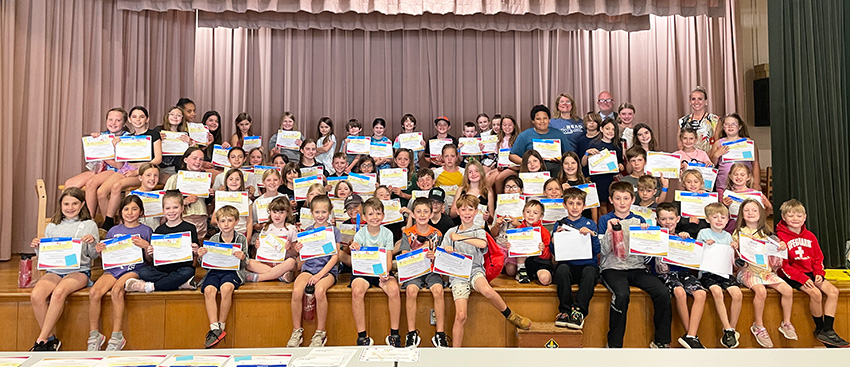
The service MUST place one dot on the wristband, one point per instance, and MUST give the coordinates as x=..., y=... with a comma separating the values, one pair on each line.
x=663, y=189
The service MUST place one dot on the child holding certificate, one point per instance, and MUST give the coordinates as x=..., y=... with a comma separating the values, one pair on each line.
x=734, y=128
x=449, y=174
x=681, y=282
x=172, y=275
x=636, y=157
x=469, y=131
x=621, y=270
x=318, y=273
x=803, y=270
x=571, y=313
x=474, y=184
x=692, y=181
x=470, y=240
x=174, y=121
x=408, y=125
x=571, y=175
x=403, y=158
x=513, y=185
x=287, y=186
x=149, y=176
x=689, y=152
x=379, y=125
x=234, y=181
x=534, y=267
x=508, y=131
x=287, y=123
x=281, y=225
x=243, y=124
x=308, y=157
x=423, y=235
x=72, y=219
x=131, y=210
x=375, y=235
x=442, y=124
x=196, y=210
x=717, y=215
x=339, y=165
x=116, y=120
x=751, y=222
x=607, y=139
x=354, y=128
x=326, y=143
x=219, y=280
x=740, y=181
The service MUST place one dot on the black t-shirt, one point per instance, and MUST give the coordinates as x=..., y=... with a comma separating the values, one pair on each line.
x=444, y=224
x=155, y=136
x=184, y=226
x=428, y=145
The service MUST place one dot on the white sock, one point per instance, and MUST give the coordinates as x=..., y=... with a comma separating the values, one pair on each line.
x=214, y=326
x=221, y=325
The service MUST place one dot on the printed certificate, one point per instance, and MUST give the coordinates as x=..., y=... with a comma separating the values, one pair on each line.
x=491, y=144
x=380, y=150
x=262, y=205
x=604, y=162
x=152, y=202
x=171, y=143
x=549, y=149
x=693, y=204
x=509, y=205
x=394, y=177
x=660, y=164
x=272, y=248
x=412, y=141
x=469, y=146
x=369, y=261
x=120, y=251
x=194, y=183
x=220, y=256
x=358, y=145
x=362, y=184
x=302, y=184
x=413, y=264
x=219, y=156
x=317, y=242
x=133, y=149
x=392, y=212
x=59, y=253
x=572, y=245
x=452, y=264
x=648, y=242
x=436, y=146
x=287, y=139
x=709, y=174
x=739, y=150
x=592, y=199
x=553, y=210
x=504, y=158
x=524, y=241
x=251, y=142
x=532, y=182
x=198, y=133
x=99, y=148
x=171, y=248
x=685, y=252
x=236, y=199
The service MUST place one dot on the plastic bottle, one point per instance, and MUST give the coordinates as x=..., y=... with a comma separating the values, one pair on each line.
x=309, y=302
x=618, y=243
x=25, y=272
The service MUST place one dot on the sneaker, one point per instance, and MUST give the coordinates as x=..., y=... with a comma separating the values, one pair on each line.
x=38, y=347
x=53, y=345
x=115, y=344
x=654, y=345
x=830, y=338
x=319, y=338
x=730, y=338
x=287, y=277
x=562, y=320
x=440, y=340
x=522, y=276
x=690, y=342
x=214, y=337
x=412, y=339
x=296, y=338
x=788, y=331
x=94, y=343
x=394, y=340
x=189, y=285
x=519, y=321
x=365, y=340
x=134, y=285
x=762, y=337
x=576, y=320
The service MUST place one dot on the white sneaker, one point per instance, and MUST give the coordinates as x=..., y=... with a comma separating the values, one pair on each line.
x=319, y=338
x=134, y=285
x=296, y=338
x=94, y=343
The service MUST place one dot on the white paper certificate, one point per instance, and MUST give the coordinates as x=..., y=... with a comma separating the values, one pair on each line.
x=59, y=253
x=394, y=177
x=133, y=149
x=268, y=360
x=13, y=361
x=592, y=199
x=236, y=199
x=752, y=250
x=693, y=204
x=120, y=251
x=262, y=206
x=152, y=202
x=469, y=146
x=436, y=146
x=317, y=242
x=532, y=182
x=171, y=248
x=389, y=354
x=491, y=143
x=524, y=241
x=272, y=248
x=504, y=158
x=738, y=199
x=392, y=212
x=648, y=242
x=771, y=248
x=553, y=210
x=603, y=162
x=306, y=217
x=198, y=133
x=251, y=142
x=549, y=149
x=685, y=252
x=219, y=156
x=361, y=184
x=132, y=361
x=452, y=264
x=171, y=143
x=67, y=362
x=346, y=232
x=709, y=174
x=369, y=261
x=220, y=256
x=178, y=360
x=333, y=181
x=509, y=205
x=660, y=164
x=413, y=264
x=572, y=245
x=412, y=141
x=99, y=148
x=717, y=259
x=380, y=150
x=287, y=139
x=358, y=145
x=302, y=184
x=739, y=150
x=339, y=209
x=194, y=183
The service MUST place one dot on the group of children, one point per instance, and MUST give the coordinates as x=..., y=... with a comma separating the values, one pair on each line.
x=450, y=205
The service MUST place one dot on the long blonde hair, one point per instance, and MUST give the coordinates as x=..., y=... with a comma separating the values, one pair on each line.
x=482, y=181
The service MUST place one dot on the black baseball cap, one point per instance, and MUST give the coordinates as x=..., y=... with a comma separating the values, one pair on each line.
x=437, y=194
x=352, y=200
x=442, y=118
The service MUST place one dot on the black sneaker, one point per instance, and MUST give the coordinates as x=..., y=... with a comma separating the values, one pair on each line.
x=440, y=340
x=394, y=340
x=655, y=345
x=214, y=337
x=830, y=338
x=576, y=320
x=52, y=345
x=365, y=340
x=412, y=340
x=522, y=276
x=562, y=320
x=690, y=342
x=38, y=347
x=729, y=339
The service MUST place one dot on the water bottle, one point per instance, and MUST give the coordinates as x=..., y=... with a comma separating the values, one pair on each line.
x=309, y=302
x=25, y=279
x=618, y=243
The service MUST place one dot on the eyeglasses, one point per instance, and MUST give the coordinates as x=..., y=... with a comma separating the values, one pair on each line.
x=511, y=187
x=606, y=100
x=367, y=165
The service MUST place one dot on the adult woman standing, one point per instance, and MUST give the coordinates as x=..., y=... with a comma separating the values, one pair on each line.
x=566, y=117
x=706, y=124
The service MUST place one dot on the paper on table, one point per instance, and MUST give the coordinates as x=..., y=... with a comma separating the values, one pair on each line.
x=592, y=199
x=171, y=248
x=178, y=360
x=325, y=357
x=509, y=205
x=660, y=164
x=717, y=259
x=198, y=133
x=651, y=241
x=504, y=158
x=369, y=261
x=132, y=361
x=491, y=144
x=59, y=253
x=358, y=145
x=262, y=360
x=13, y=361
x=739, y=150
x=136, y=148
x=152, y=202
x=469, y=146
x=452, y=264
x=380, y=150
x=413, y=264
x=603, y=162
x=287, y=139
x=553, y=210
x=67, y=362
x=251, y=142
x=436, y=146
x=194, y=183
x=685, y=252
x=394, y=177
x=317, y=242
x=272, y=248
x=171, y=143
x=412, y=141
x=390, y=354
x=693, y=204
x=236, y=199
x=532, y=182
x=709, y=174
x=549, y=149
x=99, y=148
x=219, y=156
x=570, y=244
x=524, y=241
x=120, y=251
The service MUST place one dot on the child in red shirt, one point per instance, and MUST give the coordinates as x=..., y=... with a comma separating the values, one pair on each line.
x=538, y=267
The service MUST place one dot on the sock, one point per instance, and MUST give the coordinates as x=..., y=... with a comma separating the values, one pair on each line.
x=118, y=335
x=214, y=326
x=506, y=312
x=818, y=322
x=108, y=223
x=827, y=322
x=221, y=325
x=393, y=331
x=149, y=287
x=520, y=266
x=361, y=334
x=93, y=333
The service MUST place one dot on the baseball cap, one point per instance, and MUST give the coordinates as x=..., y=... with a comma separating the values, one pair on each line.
x=437, y=194
x=352, y=200
x=442, y=118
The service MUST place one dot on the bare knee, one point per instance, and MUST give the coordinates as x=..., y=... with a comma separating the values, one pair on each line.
x=460, y=317
x=735, y=293
x=759, y=292
x=210, y=291
x=699, y=295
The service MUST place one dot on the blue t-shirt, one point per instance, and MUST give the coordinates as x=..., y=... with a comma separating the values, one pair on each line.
x=571, y=128
x=315, y=265
x=524, y=141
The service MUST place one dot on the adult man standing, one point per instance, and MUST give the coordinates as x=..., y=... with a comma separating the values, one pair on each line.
x=606, y=106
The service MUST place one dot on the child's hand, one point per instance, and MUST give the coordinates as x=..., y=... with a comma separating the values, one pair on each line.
x=210, y=137
x=239, y=255
x=585, y=231
x=251, y=190
x=541, y=246
x=149, y=250
x=34, y=243
x=314, y=279
x=87, y=239
x=709, y=242
x=644, y=225
x=185, y=139
x=809, y=284
x=486, y=215
x=694, y=220
x=140, y=242
x=684, y=235
x=734, y=244
x=818, y=280
x=298, y=142
x=95, y=134
x=665, y=182
x=515, y=222
x=298, y=246
x=354, y=246
x=727, y=201
x=430, y=254
x=783, y=246
x=200, y=251
x=481, y=146
x=405, y=210
x=592, y=151
x=225, y=145
x=191, y=199
x=100, y=247
x=621, y=167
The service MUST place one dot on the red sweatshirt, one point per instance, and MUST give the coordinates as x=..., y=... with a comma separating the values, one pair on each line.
x=804, y=253
x=544, y=237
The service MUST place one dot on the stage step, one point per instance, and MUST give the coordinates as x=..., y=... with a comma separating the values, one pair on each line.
x=547, y=335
